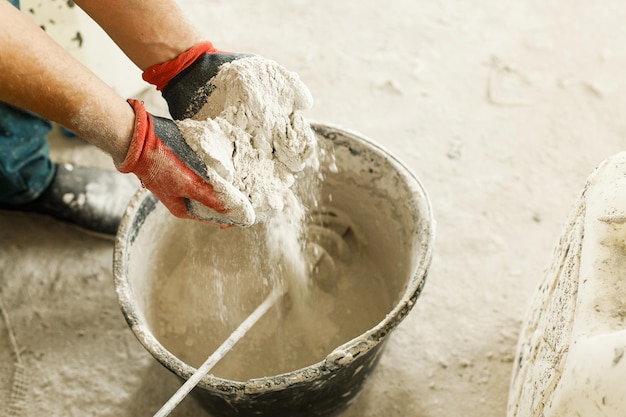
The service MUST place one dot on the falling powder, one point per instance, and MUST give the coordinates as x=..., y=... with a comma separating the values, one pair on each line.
x=253, y=139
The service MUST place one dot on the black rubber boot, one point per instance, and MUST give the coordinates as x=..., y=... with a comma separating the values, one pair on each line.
x=93, y=199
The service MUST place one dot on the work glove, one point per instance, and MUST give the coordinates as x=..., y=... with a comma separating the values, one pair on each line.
x=198, y=85
x=184, y=81
x=189, y=80
x=167, y=166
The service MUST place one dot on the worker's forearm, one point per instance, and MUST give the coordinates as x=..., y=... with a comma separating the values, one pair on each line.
x=149, y=32
x=38, y=75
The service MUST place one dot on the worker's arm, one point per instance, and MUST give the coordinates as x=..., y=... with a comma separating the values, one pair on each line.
x=149, y=32
x=157, y=37
x=37, y=74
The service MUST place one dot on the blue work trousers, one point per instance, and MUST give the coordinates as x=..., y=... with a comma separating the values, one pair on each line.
x=25, y=166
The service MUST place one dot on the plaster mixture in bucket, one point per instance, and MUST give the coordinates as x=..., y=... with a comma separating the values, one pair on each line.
x=197, y=300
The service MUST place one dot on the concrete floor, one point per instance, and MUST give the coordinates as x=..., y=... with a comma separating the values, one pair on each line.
x=501, y=109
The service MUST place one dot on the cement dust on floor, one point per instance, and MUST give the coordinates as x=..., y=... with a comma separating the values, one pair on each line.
x=501, y=109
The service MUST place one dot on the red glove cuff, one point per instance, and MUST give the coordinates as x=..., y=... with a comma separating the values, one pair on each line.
x=161, y=74
x=143, y=124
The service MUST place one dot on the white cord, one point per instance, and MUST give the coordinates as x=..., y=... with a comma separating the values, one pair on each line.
x=219, y=353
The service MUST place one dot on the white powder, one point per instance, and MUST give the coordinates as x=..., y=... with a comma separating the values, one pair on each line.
x=252, y=137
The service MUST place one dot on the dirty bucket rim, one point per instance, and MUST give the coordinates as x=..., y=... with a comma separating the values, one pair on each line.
x=340, y=355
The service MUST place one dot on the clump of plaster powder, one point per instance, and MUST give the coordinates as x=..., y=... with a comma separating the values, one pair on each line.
x=252, y=136
x=253, y=139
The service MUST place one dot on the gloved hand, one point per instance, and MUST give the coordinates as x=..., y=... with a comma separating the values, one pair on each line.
x=255, y=94
x=183, y=81
x=167, y=166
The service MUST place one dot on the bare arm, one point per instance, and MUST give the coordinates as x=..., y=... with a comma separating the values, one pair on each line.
x=38, y=75
x=149, y=32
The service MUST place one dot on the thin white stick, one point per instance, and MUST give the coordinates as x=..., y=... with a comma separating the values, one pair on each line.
x=221, y=351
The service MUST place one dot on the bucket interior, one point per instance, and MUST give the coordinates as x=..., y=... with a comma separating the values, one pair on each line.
x=192, y=284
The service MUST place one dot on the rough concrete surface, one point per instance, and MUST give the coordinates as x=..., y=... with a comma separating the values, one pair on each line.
x=502, y=109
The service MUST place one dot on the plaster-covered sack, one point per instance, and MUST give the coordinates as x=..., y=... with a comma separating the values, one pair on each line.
x=570, y=356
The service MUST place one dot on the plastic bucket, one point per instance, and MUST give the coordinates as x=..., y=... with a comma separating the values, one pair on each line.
x=392, y=212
